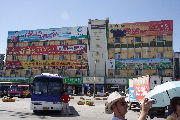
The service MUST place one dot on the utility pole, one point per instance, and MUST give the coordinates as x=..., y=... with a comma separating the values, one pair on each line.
x=94, y=78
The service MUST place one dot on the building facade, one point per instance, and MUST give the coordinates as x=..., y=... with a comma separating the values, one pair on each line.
x=60, y=51
x=139, y=49
x=111, y=52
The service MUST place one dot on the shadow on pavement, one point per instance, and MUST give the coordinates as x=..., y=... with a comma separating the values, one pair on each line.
x=57, y=113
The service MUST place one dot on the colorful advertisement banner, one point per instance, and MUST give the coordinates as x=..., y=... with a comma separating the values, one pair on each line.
x=54, y=64
x=144, y=63
x=52, y=49
x=75, y=81
x=92, y=80
x=141, y=87
x=63, y=33
x=79, y=32
x=141, y=28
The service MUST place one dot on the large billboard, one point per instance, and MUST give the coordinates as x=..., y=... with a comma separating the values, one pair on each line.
x=144, y=63
x=63, y=33
x=141, y=28
x=51, y=49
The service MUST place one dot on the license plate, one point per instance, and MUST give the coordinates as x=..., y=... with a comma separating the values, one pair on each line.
x=45, y=108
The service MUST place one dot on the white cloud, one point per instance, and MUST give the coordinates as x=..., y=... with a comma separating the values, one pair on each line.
x=65, y=15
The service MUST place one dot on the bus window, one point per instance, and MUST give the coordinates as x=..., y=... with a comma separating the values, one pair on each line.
x=54, y=88
x=40, y=87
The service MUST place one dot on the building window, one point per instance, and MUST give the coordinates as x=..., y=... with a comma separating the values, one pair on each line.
x=138, y=72
x=15, y=44
x=61, y=57
x=44, y=57
x=79, y=57
x=79, y=42
x=61, y=72
x=117, y=56
x=62, y=42
x=14, y=57
x=30, y=44
x=117, y=40
x=138, y=55
x=45, y=43
x=13, y=72
x=78, y=72
x=28, y=72
x=160, y=55
x=161, y=37
x=29, y=57
x=161, y=72
x=117, y=72
x=138, y=39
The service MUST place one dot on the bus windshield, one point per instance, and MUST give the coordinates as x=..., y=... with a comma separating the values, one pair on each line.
x=50, y=87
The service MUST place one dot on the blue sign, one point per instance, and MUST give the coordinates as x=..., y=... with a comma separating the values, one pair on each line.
x=132, y=95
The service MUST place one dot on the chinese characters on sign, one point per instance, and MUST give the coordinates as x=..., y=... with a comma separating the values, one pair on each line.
x=52, y=49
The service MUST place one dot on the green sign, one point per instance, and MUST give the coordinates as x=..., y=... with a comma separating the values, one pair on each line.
x=144, y=63
x=74, y=80
x=17, y=79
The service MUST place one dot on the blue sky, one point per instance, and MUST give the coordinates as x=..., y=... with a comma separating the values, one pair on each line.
x=43, y=14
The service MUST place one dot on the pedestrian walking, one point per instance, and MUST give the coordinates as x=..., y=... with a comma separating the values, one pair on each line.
x=175, y=106
x=65, y=98
x=117, y=104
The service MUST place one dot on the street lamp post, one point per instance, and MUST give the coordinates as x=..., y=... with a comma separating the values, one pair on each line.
x=94, y=77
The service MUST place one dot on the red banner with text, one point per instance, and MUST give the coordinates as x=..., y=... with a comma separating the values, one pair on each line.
x=51, y=49
x=50, y=64
x=141, y=28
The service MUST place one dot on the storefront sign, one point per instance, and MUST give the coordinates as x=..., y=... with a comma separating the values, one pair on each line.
x=72, y=80
x=17, y=79
x=120, y=81
x=92, y=80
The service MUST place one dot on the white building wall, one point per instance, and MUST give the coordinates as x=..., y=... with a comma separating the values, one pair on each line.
x=98, y=48
x=154, y=81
